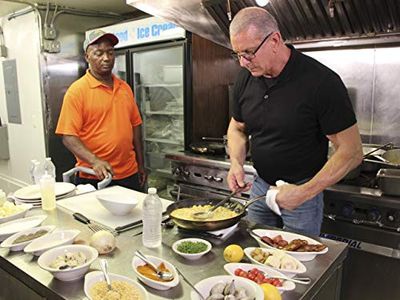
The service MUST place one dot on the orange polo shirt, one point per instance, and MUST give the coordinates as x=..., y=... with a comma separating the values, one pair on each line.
x=103, y=119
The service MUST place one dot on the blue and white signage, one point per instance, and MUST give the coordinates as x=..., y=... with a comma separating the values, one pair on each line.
x=144, y=31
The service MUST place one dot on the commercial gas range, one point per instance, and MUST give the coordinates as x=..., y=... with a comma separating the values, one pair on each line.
x=355, y=212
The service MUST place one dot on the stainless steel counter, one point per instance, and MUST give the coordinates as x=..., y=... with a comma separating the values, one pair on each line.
x=325, y=270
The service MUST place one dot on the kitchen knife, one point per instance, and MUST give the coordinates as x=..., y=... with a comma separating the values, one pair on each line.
x=129, y=226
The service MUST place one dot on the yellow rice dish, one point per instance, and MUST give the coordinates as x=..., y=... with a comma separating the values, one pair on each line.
x=121, y=290
x=186, y=213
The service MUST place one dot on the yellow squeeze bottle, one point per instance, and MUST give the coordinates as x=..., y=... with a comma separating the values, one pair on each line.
x=47, y=191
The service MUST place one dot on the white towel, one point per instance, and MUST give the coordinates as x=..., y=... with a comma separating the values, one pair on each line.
x=270, y=198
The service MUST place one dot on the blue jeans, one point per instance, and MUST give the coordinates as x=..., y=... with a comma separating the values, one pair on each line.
x=306, y=218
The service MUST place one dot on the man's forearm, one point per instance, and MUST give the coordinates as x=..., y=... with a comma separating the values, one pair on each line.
x=138, y=144
x=333, y=171
x=75, y=145
x=347, y=156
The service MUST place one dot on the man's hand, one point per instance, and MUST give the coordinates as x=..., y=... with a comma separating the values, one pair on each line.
x=290, y=196
x=142, y=176
x=102, y=168
x=236, y=178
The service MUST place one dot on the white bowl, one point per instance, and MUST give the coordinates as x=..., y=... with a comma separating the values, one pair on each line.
x=118, y=204
x=268, y=272
x=191, y=256
x=20, y=214
x=52, y=240
x=253, y=290
x=289, y=236
x=301, y=268
x=9, y=228
x=158, y=285
x=97, y=276
x=8, y=243
x=49, y=256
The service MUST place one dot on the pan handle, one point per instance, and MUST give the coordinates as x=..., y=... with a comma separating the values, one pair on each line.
x=390, y=145
x=251, y=201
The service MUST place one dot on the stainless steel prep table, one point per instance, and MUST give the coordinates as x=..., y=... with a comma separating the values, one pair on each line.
x=28, y=281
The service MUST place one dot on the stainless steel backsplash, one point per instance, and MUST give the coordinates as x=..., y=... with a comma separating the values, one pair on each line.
x=372, y=79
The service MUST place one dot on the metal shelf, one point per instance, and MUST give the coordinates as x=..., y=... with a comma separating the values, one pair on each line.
x=172, y=113
x=165, y=141
x=160, y=84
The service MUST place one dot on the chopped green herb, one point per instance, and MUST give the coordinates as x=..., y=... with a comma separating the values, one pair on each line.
x=191, y=247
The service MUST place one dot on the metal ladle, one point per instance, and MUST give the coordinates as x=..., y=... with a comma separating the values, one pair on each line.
x=204, y=215
x=164, y=275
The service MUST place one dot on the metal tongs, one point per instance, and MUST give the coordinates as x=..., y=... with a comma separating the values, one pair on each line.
x=389, y=145
x=203, y=215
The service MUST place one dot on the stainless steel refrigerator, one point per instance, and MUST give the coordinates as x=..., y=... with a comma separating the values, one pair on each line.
x=158, y=72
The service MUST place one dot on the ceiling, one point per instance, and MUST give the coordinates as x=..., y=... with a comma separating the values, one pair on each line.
x=114, y=6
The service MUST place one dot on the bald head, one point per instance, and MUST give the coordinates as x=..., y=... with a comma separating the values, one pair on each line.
x=256, y=17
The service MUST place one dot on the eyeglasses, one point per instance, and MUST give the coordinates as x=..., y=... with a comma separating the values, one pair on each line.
x=250, y=55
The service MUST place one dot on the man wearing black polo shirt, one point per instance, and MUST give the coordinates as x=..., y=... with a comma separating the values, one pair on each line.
x=291, y=105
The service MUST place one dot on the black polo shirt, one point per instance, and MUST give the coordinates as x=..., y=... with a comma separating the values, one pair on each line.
x=288, y=117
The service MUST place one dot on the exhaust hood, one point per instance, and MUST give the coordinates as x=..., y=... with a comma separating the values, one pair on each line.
x=328, y=22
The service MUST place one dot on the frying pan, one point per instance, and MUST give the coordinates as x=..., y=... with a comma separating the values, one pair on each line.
x=204, y=225
x=208, y=148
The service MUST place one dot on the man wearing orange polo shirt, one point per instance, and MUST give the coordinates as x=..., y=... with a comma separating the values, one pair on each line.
x=100, y=121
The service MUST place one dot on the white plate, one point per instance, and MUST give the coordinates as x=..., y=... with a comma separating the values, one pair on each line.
x=253, y=290
x=97, y=276
x=268, y=272
x=11, y=227
x=52, y=240
x=8, y=243
x=69, y=274
x=191, y=256
x=20, y=214
x=289, y=236
x=159, y=285
x=301, y=268
x=32, y=192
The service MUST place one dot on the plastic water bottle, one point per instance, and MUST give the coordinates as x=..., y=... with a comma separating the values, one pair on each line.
x=37, y=172
x=32, y=169
x=47, y=192
x=49, y=167
x=152, y=214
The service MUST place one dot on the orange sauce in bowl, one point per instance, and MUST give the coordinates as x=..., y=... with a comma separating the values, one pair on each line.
x=148, y=272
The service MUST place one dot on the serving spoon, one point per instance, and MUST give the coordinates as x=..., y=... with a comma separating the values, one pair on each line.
x=164, y=275
x=104, y=268
x=203, y=215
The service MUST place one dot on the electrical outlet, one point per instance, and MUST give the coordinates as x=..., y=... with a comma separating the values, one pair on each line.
x=49, y=33
x=3, y=51
x=52, y=46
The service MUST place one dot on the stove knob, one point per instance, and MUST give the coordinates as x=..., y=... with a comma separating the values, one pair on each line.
x=208, y=177
x=348, y=210
x=186, y=173
x=373, y=215
x=392, y=216
x=176, y=171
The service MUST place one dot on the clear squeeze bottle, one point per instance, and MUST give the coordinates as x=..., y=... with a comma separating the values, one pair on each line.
x=47, y=191
x=152, y=214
